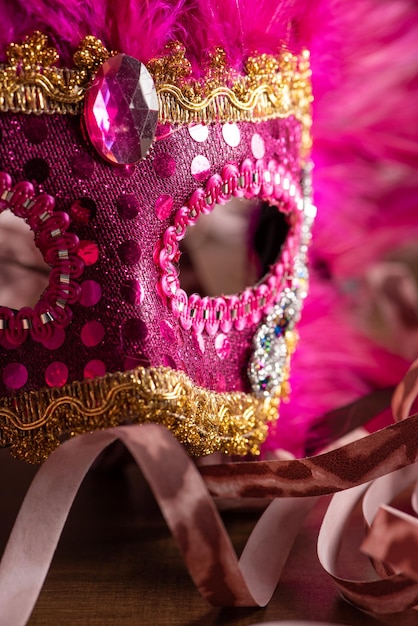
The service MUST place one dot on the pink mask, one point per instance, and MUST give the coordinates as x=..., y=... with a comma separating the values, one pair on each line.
x=115, y=338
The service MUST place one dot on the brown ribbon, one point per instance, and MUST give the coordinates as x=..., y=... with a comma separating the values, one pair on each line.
x=184, y=495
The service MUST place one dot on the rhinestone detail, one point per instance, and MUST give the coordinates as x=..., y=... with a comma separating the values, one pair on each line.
x=121, y=110
x=275, y=339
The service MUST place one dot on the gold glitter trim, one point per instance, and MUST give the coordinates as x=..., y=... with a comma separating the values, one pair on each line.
x=269, y=87
x=29, y=82
x=33, y=424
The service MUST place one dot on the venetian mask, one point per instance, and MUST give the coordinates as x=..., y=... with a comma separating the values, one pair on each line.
x=113, y=164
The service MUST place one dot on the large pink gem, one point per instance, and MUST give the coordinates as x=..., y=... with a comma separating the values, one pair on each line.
x=121, y=110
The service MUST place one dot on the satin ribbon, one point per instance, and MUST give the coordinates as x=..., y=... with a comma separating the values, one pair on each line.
x=184, y=494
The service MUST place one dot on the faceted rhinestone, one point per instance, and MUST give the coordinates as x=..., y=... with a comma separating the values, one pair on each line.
x=121, y=110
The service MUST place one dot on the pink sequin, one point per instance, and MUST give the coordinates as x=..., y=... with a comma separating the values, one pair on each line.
x=199, y=132
x=129, y=252
x=138, y=360
x=134, y=329
x=82, y=165
x=94, y=368
x=200, y=168
x=231, y=134
x=88, y=251
x=35, y=128
x=36, y=169
x=222, y=346
x=131, y=291
x=56, y=340
x=257, y=146
x=91, y=292
x=92, y=333
x=15, y=375
x=56, y=374
x=164, y=165
x=127, y=206
x=163, y=207
x=83, y=210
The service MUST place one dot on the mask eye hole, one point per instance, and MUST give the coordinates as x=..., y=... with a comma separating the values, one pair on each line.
x=24, y=275
x=266, y=184
x=59, y=249
x=232, y=248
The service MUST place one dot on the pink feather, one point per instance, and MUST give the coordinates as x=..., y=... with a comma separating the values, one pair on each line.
x=142, y=28
x=365, y=73
x=365, y=67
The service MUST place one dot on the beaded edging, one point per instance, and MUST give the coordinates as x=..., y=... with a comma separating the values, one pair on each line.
x=275, y=339
x=268, y=181
x=59, y=249
x=33, y=424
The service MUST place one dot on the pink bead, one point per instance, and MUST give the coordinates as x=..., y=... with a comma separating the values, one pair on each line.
x=121, y=110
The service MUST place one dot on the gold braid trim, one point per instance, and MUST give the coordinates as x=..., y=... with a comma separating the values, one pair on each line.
x=29, y=82
x=33, y=424
x=269, y=87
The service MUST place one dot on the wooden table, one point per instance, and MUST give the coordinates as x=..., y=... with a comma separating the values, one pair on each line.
x=118, y=564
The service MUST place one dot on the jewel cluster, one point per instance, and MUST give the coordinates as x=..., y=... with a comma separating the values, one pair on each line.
x=269, y=365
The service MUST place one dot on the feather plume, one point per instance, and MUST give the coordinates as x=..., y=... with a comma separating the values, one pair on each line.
x=365, y=72
x=142, y=28
x=365, y=76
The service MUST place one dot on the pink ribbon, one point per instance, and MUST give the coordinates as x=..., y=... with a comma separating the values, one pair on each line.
x=368, y=468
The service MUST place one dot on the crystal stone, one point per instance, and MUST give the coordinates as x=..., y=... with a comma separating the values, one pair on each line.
x=121, y=110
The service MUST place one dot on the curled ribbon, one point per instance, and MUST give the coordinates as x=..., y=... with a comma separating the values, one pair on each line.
x=378, y=466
